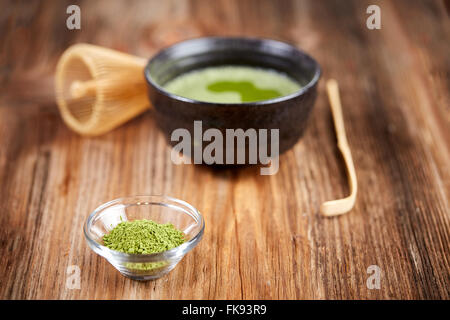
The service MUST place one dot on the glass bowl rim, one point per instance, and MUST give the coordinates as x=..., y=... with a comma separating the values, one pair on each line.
x=152, y=257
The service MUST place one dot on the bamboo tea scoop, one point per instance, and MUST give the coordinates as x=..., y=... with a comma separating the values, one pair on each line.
x=98, y=89
x=340, y=206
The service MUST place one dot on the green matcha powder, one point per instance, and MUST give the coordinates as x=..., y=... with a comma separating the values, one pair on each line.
x=143, y=237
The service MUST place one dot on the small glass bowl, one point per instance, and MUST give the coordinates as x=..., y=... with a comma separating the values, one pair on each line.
x=161, y=209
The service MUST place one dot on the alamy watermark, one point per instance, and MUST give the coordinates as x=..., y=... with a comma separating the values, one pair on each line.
x=374, y=20
x=374, y=281
x=241, y=147
x=74, y=20
x=73, y=280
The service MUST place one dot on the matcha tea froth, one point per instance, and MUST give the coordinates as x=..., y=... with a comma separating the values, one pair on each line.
x=232, y=84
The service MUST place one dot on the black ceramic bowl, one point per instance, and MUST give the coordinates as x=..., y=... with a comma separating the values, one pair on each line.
x=289, y=113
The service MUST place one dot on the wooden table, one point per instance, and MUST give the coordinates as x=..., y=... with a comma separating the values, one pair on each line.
x=264, y=238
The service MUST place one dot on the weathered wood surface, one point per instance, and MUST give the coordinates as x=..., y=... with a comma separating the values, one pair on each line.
x=264, y=236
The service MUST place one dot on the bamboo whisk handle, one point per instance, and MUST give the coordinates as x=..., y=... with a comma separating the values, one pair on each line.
x=81, y=89
x=98, y=89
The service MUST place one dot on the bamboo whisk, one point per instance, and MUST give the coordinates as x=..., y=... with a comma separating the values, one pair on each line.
x=98, y=89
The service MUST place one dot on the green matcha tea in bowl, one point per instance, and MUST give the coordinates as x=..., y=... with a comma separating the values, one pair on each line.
x=232, y=84
x=144, y=237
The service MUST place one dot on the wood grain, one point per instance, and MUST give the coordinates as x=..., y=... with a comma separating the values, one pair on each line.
x=264, y=238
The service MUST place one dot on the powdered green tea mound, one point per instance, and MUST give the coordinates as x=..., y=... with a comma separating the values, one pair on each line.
x=143, y=237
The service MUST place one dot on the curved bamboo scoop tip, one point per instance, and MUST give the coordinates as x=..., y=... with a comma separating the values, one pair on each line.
x=340, y=206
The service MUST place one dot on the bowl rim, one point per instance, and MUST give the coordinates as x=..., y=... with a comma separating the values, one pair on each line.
x=272, y=42
x=181, y=250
